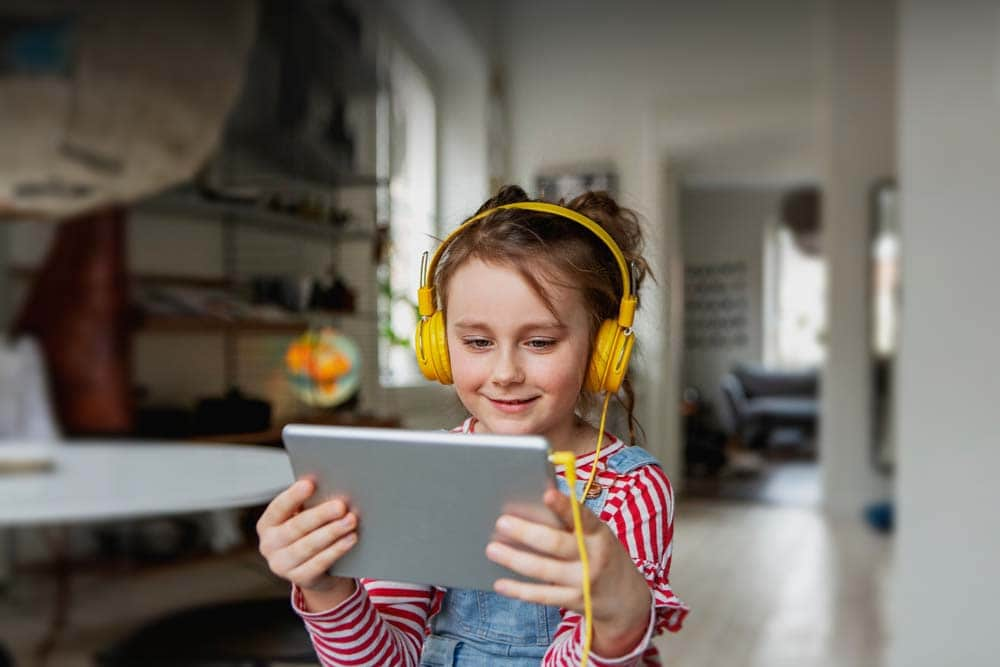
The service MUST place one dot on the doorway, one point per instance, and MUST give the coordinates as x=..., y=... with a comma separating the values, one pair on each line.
x=754, y=317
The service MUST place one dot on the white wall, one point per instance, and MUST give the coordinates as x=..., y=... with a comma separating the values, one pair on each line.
x=860, y=80
x=946, y=586
x=602, y=82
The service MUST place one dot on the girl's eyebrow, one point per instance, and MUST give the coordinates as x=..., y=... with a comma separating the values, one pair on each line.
x=476, y=324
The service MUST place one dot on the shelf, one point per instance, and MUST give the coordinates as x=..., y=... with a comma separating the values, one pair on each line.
x=190, y=204
x=198, y=324
x=21, y=272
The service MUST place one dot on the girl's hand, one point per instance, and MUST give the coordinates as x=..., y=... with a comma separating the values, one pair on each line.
x=301, y=545
x=619, y=593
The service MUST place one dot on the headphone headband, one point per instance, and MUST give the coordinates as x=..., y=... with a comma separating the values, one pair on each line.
x=626, y=311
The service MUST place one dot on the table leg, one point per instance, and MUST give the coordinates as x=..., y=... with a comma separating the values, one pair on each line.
x=6, y=557
x=58, y=542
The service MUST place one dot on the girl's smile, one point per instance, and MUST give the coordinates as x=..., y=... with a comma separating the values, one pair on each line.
x=512, y=406
x=518, y=367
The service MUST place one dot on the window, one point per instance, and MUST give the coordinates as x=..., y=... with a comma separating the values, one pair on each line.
x=796, y=286
x=407, y=159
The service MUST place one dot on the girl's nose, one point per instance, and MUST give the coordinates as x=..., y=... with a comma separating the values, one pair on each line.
x=507, y=370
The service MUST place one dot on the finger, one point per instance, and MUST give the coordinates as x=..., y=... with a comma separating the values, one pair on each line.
x=313, y=543
x=562, y=507
x=309, y=520
x=319, y=565
x=285, y=504
x=567, y=597
x=535, y=566
x=541, y=538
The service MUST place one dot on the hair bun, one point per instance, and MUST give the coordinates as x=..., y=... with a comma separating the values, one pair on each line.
x=508, y=194
x=621, y=223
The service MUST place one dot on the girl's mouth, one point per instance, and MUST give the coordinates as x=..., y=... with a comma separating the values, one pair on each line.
x=512, y=405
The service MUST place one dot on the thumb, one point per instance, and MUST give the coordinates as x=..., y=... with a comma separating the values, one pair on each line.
x=562, y=507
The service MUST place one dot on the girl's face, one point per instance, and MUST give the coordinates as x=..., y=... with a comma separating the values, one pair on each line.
x=517, y=367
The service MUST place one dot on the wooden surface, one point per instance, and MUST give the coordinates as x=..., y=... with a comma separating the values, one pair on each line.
x=774, y=586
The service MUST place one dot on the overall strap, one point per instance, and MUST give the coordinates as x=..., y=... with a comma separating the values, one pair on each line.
x=629, y=459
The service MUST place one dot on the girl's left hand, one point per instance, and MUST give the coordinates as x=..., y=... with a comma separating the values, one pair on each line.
x=619, y=593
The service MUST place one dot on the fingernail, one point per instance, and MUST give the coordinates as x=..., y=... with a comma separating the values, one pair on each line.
x=504, y=523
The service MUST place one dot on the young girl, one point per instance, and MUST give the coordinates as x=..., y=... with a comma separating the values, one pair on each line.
x=527, y=295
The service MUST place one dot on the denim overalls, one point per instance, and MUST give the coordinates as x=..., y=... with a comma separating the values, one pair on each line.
x=481, y=629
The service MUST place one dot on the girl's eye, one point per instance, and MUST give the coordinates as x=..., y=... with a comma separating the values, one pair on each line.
x=541, y=343
x=477, y=343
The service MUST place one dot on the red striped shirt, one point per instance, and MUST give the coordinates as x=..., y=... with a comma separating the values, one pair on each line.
x=384, y=622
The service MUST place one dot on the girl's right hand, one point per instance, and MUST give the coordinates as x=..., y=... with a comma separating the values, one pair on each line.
x=301, y=545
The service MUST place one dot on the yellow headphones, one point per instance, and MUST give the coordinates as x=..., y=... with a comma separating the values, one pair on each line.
x=615, y=338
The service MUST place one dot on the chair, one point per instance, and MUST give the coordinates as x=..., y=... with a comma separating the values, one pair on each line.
x=245, y=633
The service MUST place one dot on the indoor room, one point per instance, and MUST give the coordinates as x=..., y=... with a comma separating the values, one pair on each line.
x=212, y=224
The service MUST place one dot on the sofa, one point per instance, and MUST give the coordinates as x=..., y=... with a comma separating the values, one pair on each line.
x=763, y=406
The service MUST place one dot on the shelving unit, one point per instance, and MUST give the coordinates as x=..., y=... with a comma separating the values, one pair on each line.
x=246, y=228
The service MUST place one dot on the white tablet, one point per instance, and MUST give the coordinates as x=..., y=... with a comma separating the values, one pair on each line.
x=427, y=501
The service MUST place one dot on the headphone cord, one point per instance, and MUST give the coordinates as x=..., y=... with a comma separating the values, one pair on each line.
x=597, y=449
x=568, y=461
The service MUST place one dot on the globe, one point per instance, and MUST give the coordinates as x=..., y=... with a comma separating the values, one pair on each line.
x=323, y=367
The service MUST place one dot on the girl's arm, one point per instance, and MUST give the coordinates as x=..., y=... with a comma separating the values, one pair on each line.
x=381, y=623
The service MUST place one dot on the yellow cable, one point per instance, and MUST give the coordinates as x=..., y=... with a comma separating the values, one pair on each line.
x=597, y=450
x=568, y=461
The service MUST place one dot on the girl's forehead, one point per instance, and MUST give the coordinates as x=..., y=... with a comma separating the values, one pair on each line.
x=497, y=290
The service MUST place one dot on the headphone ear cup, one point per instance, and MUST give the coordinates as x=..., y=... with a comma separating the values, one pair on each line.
x=436, y=340
x=621, y=353
x=422, y=349
x=609, y=361
x=603, y=345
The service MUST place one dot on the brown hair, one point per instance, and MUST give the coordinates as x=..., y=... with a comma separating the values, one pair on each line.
x=546, y=248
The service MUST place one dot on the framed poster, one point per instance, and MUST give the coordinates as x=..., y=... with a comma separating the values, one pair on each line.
x=567, y=183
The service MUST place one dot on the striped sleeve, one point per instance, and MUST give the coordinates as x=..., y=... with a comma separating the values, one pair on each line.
x=640, y=510
x=381, y=623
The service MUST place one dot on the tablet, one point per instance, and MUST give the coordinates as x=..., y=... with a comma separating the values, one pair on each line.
x=427, y=501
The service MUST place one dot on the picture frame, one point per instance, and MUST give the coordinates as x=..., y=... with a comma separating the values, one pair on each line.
x=560, y=184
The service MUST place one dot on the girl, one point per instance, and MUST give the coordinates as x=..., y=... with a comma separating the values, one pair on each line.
x=528, y=296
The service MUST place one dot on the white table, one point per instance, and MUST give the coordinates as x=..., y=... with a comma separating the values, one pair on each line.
x=94, y=480
x=100, y=481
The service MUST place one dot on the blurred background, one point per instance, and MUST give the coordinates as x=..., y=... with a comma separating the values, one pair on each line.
x=211, y=220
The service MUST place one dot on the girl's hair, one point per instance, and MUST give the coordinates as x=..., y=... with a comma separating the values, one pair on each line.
x=548, y=249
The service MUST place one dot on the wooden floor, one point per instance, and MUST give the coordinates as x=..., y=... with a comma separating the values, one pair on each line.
x=776, y=586
x=768, y=585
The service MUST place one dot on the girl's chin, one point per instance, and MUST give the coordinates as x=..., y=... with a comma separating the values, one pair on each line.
x=508, y=425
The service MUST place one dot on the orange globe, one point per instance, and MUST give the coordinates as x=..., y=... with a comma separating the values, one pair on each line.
x=323, y=367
